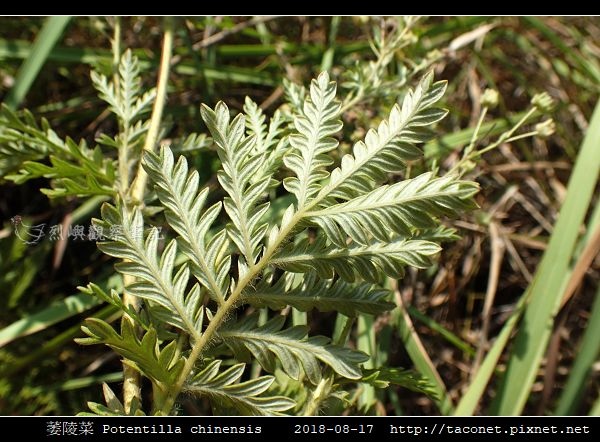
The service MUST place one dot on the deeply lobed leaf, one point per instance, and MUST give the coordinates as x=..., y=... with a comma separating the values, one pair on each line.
x=311, y=143
x=387, y=148
x=398, y=208
x=161, y=366
x=222, y=388
x=291, y=348
x=178, y=191
x=370, y=262
x=240, y=161
x=324, y=295
x=156, y=282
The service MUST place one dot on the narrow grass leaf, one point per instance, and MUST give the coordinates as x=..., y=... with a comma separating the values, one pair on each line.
x=587, y=353
x=51, y=31
x=68, y=307
x=418, y=354
x=547, y=287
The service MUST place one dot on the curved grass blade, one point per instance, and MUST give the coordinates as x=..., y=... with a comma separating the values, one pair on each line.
x=547, y=288
x=51, y=31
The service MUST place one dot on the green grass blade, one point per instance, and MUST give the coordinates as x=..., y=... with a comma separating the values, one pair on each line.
x=366, y=341
x=51, y=31
x=548, y=285
x=327, y=60
x=87, y=381
x=472, y=396
x=20, y=49
x=417, y=353
x=468, y=402
x=444, y=332
x=70, y=306
x=586, y=66
x=54, y=345
x=587, y=354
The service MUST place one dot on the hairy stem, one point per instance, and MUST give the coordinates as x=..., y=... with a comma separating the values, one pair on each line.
x=131, y=378
x=224, y=311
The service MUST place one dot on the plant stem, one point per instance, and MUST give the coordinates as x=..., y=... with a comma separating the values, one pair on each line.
x=124, y=125
x=131, y=378
x=139, y=185
x=471, y=145
x=507, y=137
x=224, y=311
x=116, y=50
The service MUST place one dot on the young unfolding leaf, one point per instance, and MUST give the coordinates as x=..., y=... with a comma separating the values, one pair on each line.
x=126, y=100
x=369, y=262
x=323, y=295
x=291, y=348
x=223, y=389
x=239, y=163
x=316, y=124
x=113, y=407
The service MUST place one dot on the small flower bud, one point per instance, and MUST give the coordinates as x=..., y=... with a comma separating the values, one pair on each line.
x=434, y=54
x=543, y=102
x=490, y=98
x=411, y=37
x=545, y=128
x=468, y=166
x=361, y=19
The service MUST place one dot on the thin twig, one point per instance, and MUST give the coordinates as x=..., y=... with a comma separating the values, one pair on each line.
x=496, y=262
x=139, y=185
x=215, y=38
x=518, y=261
x=526, y=166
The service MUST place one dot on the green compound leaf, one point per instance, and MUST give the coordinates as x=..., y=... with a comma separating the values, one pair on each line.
x=291, y=348
x=222, y=388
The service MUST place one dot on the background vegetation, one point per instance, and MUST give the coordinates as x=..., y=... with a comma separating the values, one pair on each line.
x=515, y=298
